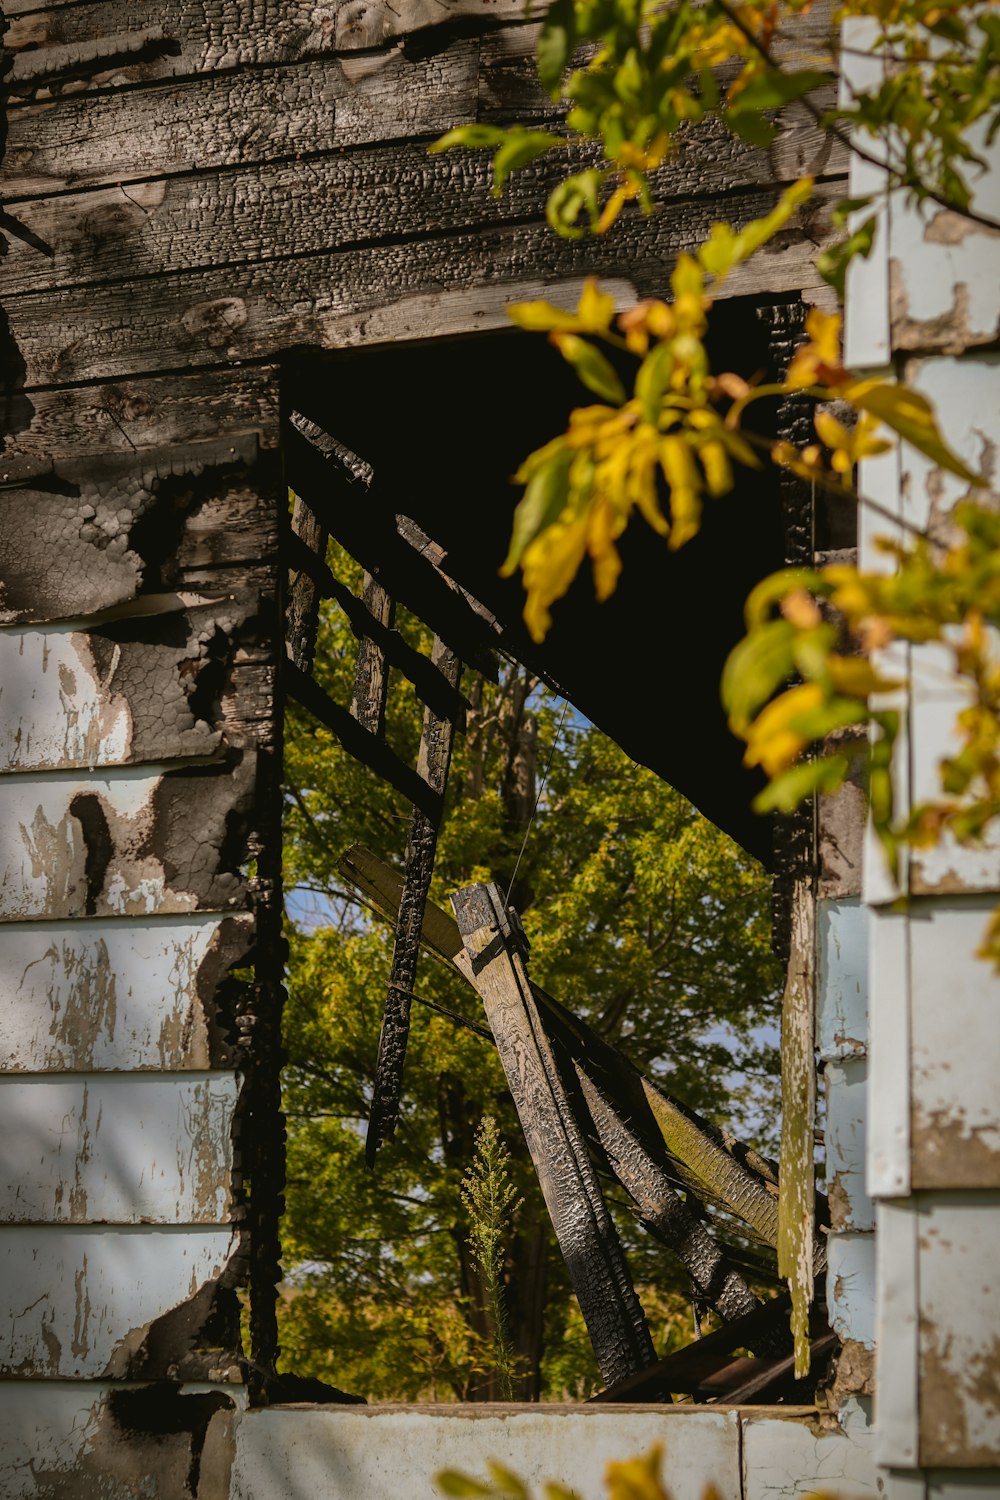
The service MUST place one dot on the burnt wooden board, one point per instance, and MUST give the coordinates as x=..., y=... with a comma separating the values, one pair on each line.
x=266, y=211
x=583, y=1226
x=420, y=288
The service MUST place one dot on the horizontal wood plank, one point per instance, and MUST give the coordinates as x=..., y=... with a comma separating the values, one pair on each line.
x=108, y=996
x=414, y=290
x=117, y=1149
x=266, y=211
x=231, y=118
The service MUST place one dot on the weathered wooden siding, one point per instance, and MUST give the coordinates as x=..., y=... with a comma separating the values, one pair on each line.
x=934, y=1121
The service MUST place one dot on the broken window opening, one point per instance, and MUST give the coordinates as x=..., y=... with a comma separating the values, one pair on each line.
x=613, y=1126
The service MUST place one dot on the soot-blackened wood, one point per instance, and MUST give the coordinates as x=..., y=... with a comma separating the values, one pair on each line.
x=583, y=1226
x=371, y=675
x=662, y=1209
x=432, y=766
x=372, y=752
x=327, y=473
x=302, y=610
x=426, y=287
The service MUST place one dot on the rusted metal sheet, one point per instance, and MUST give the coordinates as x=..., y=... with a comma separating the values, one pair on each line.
x=103, y=995
x=82, y=1300
x=955, y=1041
x=117, y=1149
x=134, y=690
x=959, y=1281
x=125, y=843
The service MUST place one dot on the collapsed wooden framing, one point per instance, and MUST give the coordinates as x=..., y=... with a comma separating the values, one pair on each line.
x=585, y=1109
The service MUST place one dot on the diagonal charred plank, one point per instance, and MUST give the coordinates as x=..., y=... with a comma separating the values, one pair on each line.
x=583, y=1226
x=432, y=766
x=663, y=1210
x=371, y=677
x=359, y=743
x=318, y=468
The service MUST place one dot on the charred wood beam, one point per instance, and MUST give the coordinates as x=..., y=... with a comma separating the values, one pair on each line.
x=691, y=1152
x=432, y=767
x=371, y=676
x=372, y=752
x=306, y=550
x=415, y=667
x=319, y=466
x=663, y=1210
x=583, y=1226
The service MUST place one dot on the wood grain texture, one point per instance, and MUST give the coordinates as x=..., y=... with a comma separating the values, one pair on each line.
x=421, y=288
x=229, y=118
x=266, y=211
x=586, y=1234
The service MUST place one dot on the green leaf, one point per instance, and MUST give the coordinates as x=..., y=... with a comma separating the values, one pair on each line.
x=726, y=247
x=833, y=263
x=592, y=367
x=520, y=147
x=775, y=587
x=653, y=379
x=910, y=415
x=752, y=128
x=577, y=195
x=755, y=669
x=789, y=790
x=555, y=44
x=476, y=136
x=542, y=503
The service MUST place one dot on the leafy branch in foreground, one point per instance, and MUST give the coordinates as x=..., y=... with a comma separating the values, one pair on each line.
x=645, y=71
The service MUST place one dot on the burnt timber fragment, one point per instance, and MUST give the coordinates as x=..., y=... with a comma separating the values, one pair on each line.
x=433, y=762
x=583, y=1226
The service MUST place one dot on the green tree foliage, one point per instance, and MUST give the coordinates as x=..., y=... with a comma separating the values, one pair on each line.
x=642, y=916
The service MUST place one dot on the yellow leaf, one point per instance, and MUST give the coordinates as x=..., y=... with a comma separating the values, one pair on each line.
x=773, y=741
x=856, y=676
x=595, y=308
x=910, y=415
x=549, y=566
x=685, y=497
x=605, y=525
x=636, y=1478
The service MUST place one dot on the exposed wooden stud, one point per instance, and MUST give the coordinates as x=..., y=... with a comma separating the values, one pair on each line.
x=797, y=1206
x=432, y=767
x=583, y=1226
x=372, y=752
x=371, y=675
x=302, y=610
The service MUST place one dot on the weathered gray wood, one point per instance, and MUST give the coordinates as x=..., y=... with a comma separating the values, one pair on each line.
x=421, y=288
x=232, y=118
x=265, y=211
x=586, y=1234
x=433, y=762
x=55, y=431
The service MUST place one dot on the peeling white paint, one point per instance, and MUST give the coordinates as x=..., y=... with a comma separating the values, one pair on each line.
x=842, y=985
x=783, y=1458
x=106, y=995
x=850, y=1286
x=386, y=1453
x=846, y=1131
x=116, y=1149
x=53, y=711
x=75, y=1295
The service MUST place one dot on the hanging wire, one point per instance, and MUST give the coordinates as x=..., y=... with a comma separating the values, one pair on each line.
x=538, y=797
